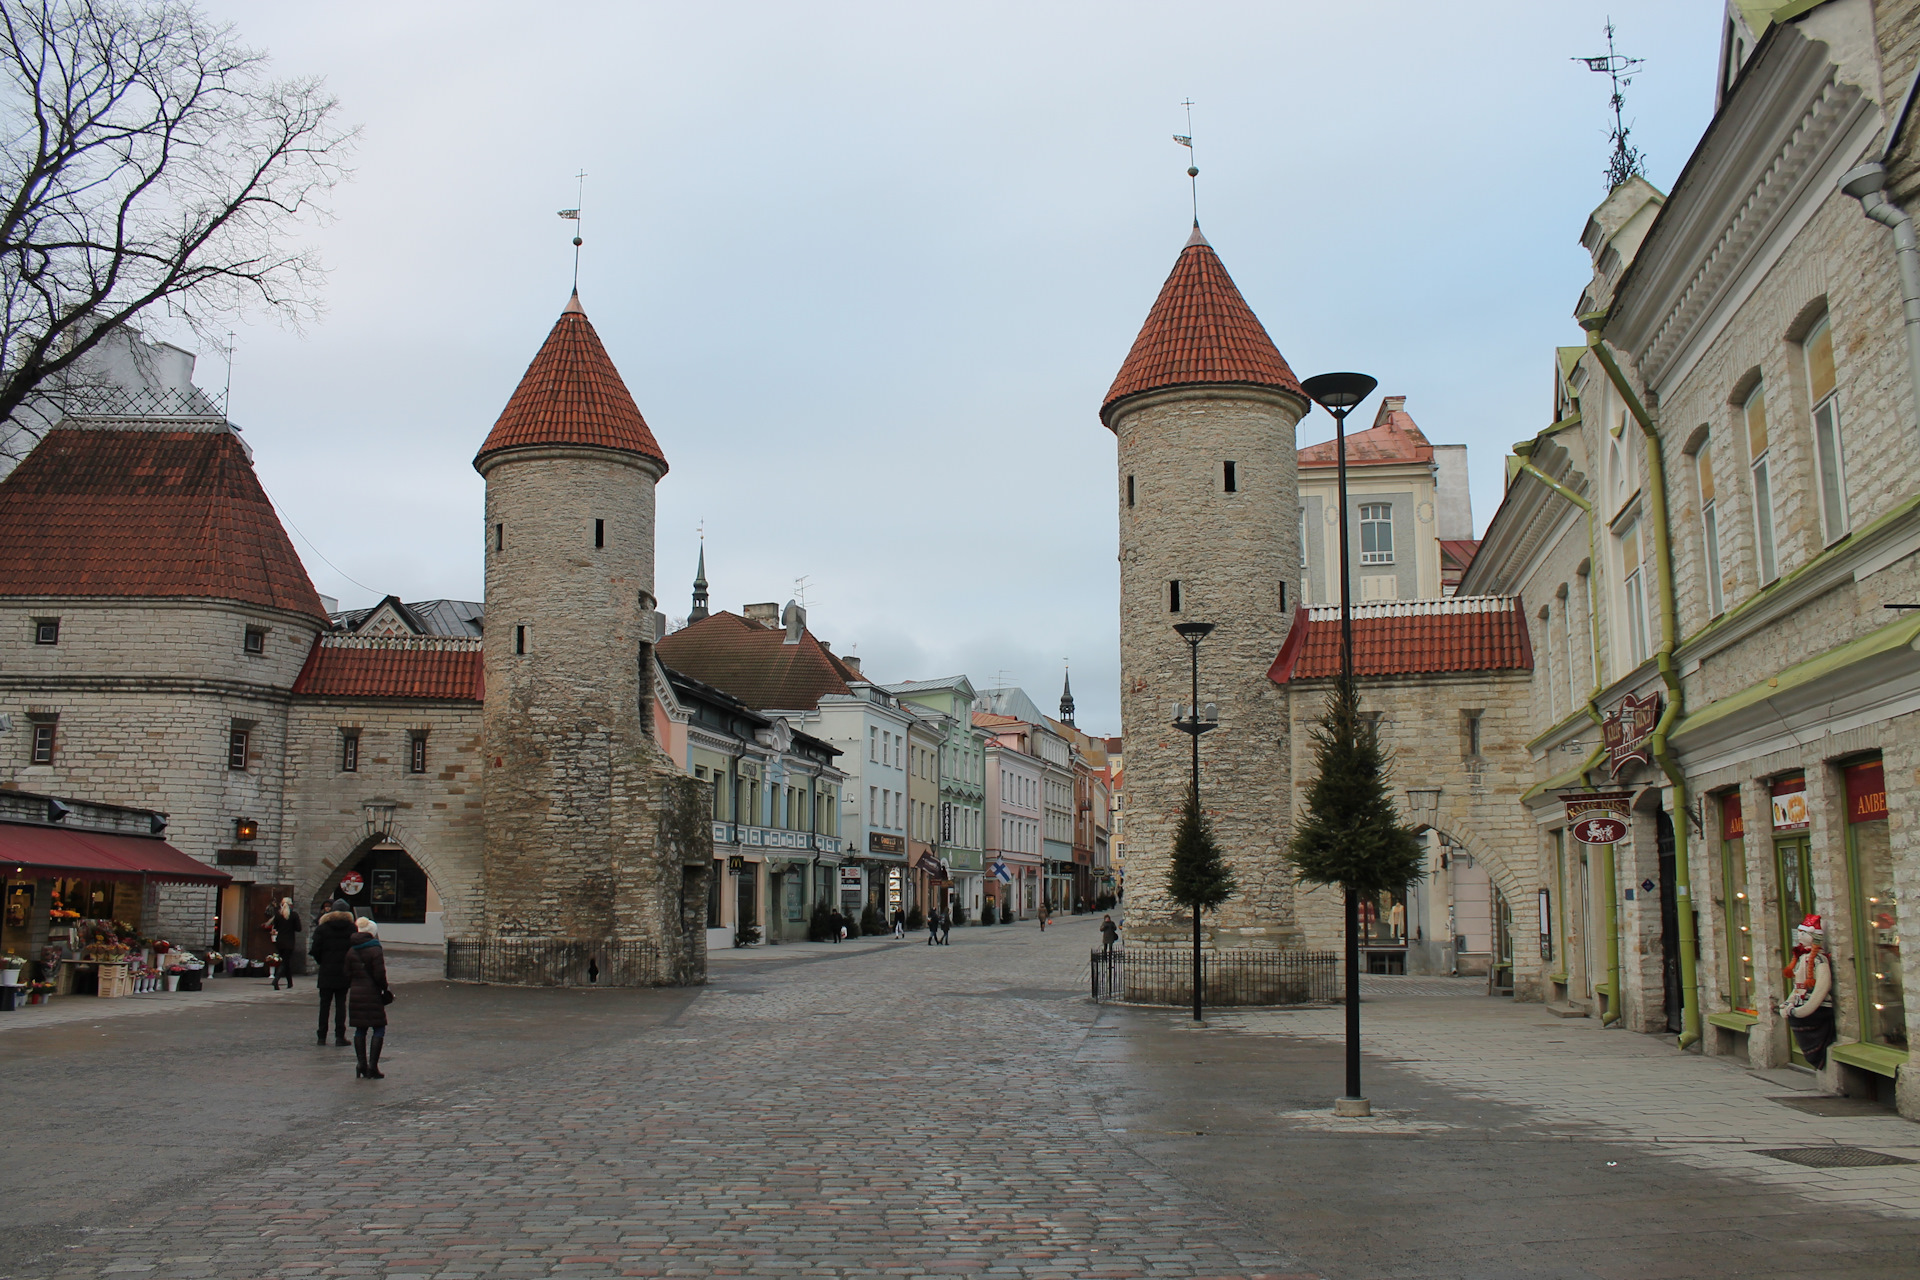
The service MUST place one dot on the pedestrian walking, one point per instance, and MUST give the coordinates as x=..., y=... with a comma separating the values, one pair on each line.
x=933, y=926
x=899, y=923
x=332, y=939
x=836, y=927
x=946, y=929
x=1109, y=933
x=368, y=996
x=1045, y=915
x=285, y=925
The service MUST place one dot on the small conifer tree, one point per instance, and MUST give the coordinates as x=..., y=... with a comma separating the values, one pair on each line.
x=1351, y=835
x=1198, y=878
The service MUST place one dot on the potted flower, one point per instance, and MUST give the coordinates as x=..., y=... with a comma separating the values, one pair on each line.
x=39, y=992
x=10, y=966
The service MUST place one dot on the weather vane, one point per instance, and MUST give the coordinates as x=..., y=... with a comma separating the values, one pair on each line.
x=1193, y=168
x=1626, y=160
x=573, y=216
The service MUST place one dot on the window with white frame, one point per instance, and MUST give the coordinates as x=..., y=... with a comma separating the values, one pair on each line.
x=1633, y=580
x=1754, y=412
x=1823, y=395
x=1709, y=529
x=1376, y=533
x=873, y=744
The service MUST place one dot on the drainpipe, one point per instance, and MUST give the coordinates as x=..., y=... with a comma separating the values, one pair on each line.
x=1592, y=762
x=1866, y=184
x=1669, y=628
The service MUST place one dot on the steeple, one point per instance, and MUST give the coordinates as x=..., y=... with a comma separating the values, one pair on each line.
x=1066, y=699
x=1200, y=331
x=699, y=610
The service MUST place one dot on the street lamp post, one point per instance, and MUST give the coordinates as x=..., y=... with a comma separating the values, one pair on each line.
x=1339, y=394
x=1193, y=726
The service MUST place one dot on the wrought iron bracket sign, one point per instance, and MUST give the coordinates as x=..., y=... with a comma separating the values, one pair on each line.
x=1628, y=732
x=1598, y=817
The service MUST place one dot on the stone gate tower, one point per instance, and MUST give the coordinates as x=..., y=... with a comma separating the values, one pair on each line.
x=594, y=841
x=1204, y=410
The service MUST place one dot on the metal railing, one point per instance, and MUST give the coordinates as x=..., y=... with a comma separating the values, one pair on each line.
x=1164, y=976
x=558, y=962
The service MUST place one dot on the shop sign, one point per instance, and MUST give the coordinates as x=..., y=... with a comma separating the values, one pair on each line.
x=352, y=883
x=1628, y=732
x=1732, y=825
x=852, y=878
x=1599, y=817
x=946, y=823
x=877, y=843
x=1866, y=792
x=1790, y=804
x=736, y=863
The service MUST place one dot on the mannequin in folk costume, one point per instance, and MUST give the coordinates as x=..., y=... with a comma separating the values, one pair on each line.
x=1809, y=1002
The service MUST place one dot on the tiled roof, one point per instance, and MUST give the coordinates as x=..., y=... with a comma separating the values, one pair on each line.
x=756, y=664
x=1459, y=550
x=145, y=513
x=572, y=394
x=1409, y=637
x=1393, y=438
x=438, y=667
x=1200, y=331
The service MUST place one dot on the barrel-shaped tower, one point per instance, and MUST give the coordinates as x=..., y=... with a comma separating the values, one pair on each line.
x=1204, y=411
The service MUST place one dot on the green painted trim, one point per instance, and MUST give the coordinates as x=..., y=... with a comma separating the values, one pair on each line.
x=1733, y=1020
x=1565, y=424
x=1895, y=635
x=1845, y=544
x=1876, y=1058
x=1560, y=978
x=1788, y=12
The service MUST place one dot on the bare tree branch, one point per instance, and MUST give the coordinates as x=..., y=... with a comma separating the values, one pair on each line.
x=147, y=164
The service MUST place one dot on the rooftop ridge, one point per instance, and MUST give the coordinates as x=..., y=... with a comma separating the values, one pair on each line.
x=406, y=644
x=1416, y=608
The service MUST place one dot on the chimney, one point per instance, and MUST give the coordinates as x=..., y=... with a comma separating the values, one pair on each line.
x=1389, y=405
x=852, y=661
x=794, y=619
x=767, y=615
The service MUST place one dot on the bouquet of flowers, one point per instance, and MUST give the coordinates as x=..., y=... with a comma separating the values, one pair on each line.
x=161, y=946
x=108, y=951
x=229, y=940
x=13, y=962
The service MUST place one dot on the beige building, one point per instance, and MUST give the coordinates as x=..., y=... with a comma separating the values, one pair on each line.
x=1709, y=534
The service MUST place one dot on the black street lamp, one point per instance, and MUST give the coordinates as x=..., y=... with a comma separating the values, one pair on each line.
x=1193, y=726
x=1339, y=394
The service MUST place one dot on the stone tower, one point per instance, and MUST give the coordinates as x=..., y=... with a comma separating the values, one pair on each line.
x=1204, y=411
x=593, y=838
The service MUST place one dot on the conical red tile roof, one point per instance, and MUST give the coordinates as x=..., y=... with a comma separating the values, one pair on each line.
x=572, y=394
x=1200, y=331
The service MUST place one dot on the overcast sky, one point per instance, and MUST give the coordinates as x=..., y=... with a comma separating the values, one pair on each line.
x=869, y=269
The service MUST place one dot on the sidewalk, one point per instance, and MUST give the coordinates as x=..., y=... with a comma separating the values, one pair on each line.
x=1713, y=1114
x=404, y=964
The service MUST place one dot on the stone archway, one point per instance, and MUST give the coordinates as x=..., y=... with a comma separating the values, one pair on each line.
x=385, y=828
x=1505, y=880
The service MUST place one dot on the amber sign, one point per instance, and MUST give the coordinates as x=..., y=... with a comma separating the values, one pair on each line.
x=1732, y=825
x=1866, y=792
x=1599, y=817
x=1628, y=733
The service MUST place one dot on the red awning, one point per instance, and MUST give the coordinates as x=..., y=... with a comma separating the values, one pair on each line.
x=93, y=855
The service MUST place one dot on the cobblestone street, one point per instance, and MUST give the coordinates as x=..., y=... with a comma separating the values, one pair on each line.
x=883, y=1108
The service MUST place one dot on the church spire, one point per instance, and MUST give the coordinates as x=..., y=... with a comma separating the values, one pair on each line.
x=1066, y=699
x=700, y=588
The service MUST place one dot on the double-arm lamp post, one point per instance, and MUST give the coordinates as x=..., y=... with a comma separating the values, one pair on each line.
x=1193, y=726
x=1339, y=394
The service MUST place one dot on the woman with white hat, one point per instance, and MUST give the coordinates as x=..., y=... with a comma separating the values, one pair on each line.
x=368, y=996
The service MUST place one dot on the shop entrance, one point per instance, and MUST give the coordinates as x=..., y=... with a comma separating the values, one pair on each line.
x=1793, y=860
x=1669, y=921
x=746, y=914
x=388, y=887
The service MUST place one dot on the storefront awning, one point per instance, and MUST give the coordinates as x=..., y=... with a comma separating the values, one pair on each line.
x=93, y=855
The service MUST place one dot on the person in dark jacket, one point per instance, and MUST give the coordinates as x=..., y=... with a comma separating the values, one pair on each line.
x=332, y=938
x=1109, y=933
x=285, y=926
x=367, y=997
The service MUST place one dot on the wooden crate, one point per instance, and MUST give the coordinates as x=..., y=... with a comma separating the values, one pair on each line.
x=115, y=981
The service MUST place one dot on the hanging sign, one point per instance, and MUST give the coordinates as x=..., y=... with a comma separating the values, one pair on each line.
x=351, y=884
x=1628, y=732
x=1732, y=826
x=1790, y=804
x=1866, y=792
x=1599, y=817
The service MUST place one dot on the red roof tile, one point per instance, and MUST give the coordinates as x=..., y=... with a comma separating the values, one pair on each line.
x=1200, y=331
x=146, y=514
x=1409, y=637
x=572, y=394
x=437, y=667
x=756, y=664
x=1393, y=438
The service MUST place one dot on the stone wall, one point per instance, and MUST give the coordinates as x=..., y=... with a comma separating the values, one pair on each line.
x=1231, y=553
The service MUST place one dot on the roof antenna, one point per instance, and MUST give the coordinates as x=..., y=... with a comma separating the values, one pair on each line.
x=573, y=216
x=226, y=392
x=800, y=588
x=1193, y=169
x=1626, y=161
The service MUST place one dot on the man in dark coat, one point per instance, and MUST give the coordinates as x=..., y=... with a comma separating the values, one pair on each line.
x=332, y=938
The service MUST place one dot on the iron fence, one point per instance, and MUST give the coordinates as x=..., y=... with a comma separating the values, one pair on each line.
x=1164, y=976
x=551, y=962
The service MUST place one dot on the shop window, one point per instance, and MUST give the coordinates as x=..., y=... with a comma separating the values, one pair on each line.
x=1822, y=394
x=1383, y=920
x=237, y=749
x=417, y=753
x=46, y=631
x=1737, y=909
x=44, y=732
x=1876, y=908
x=350, y=753
x=1376, y=533
x=1754, y=413
x=1793, y=866
x=255, y=641
x=393, y=887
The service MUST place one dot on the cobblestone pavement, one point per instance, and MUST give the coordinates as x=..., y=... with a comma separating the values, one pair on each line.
x=873, y=1109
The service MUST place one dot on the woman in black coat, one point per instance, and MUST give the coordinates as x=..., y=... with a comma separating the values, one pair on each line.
x=367, y=997
x=285, y=924
x=332, y=938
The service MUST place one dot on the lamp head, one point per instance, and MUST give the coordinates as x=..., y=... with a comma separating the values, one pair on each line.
x=1338, y=393
x=1193, y=632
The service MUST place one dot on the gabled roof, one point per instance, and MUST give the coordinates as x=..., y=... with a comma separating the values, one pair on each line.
x=1392, y=439
x=433, y=667
x=1458, y=551
x=147, y=514
x=1200, y=330
x=755, y=664
x=572, y=395
x=425, y=617
x=1409, y=637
